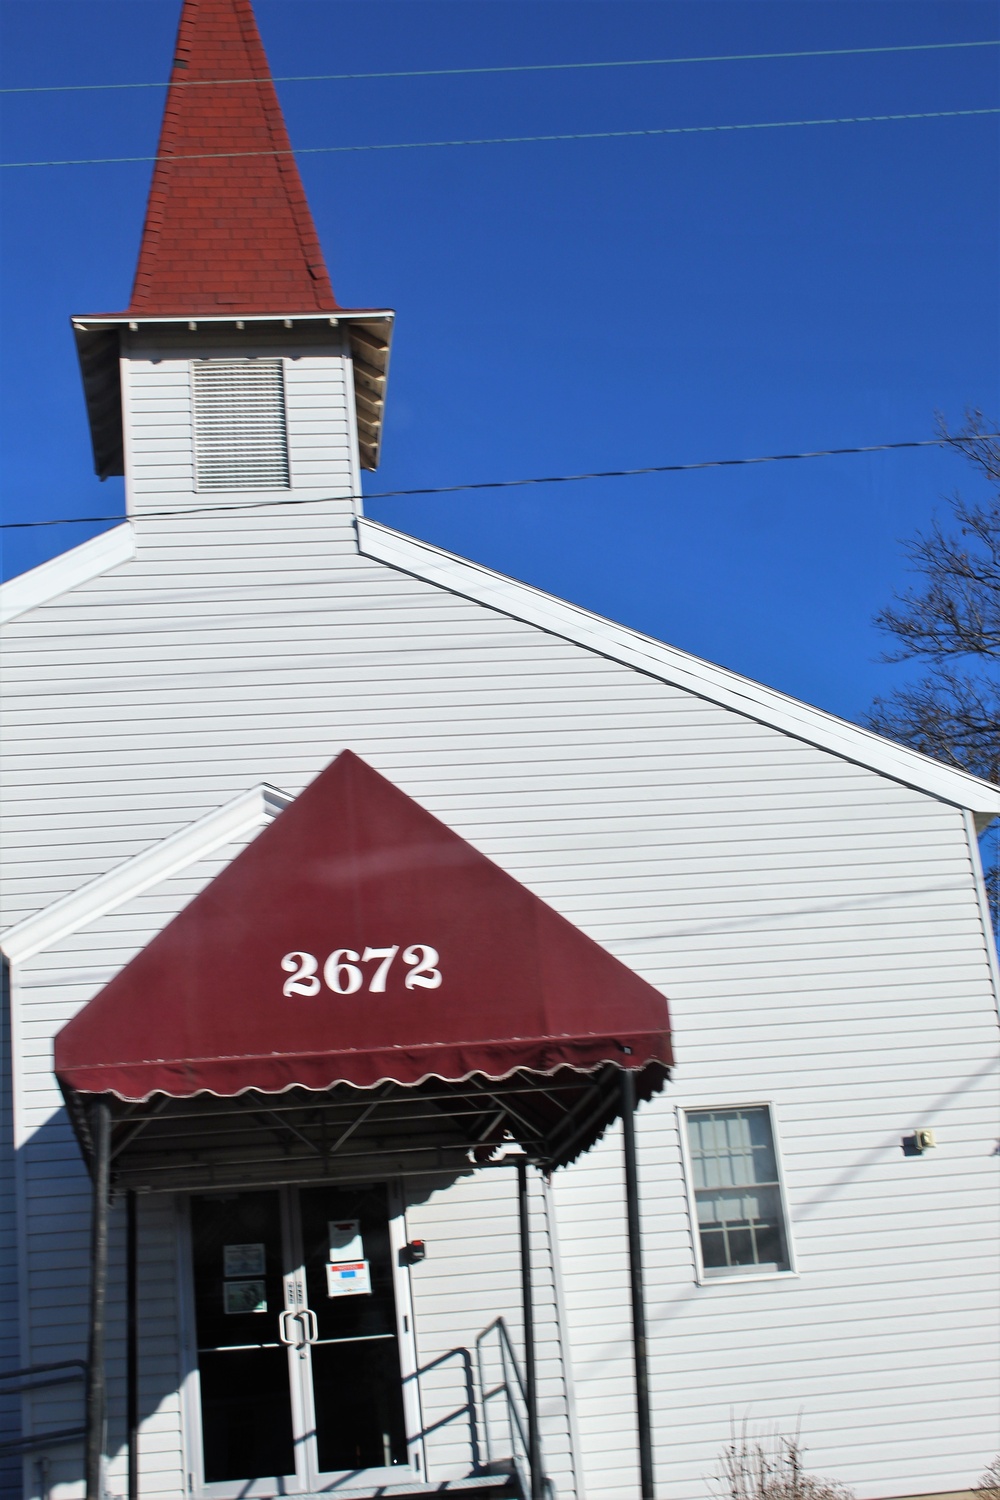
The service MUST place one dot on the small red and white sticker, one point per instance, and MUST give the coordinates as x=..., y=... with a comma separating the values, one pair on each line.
x=349, y=1278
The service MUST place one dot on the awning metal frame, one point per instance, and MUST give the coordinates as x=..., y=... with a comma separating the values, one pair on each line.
x=171, y=1144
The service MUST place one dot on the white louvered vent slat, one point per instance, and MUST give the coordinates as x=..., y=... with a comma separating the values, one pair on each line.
x=240, y=440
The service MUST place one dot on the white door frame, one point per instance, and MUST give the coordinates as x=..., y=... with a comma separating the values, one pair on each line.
x=305, y=1480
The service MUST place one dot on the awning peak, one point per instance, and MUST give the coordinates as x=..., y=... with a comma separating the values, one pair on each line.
x=359, y=941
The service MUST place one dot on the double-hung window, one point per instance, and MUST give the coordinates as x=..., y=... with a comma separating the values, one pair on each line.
x=736, y=1191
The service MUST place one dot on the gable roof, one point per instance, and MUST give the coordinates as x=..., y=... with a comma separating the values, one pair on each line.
x=679, y=668
x=227, y=224
x=620, y=643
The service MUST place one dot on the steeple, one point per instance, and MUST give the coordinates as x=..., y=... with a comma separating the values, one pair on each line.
x=230, y=261
x=227, y=226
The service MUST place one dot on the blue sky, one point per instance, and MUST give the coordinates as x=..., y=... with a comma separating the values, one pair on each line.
x=582, y=305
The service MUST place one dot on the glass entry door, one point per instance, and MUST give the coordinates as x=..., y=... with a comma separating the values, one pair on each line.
x=298, y=1342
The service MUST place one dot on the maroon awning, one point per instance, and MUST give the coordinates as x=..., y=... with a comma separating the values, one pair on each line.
x=356, y=941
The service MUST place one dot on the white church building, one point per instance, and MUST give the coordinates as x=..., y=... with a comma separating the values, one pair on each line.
x=453, y=1043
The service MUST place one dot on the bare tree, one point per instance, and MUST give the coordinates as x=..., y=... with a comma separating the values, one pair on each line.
x=952, y=622
x=770, y=1468
x=989, y=1484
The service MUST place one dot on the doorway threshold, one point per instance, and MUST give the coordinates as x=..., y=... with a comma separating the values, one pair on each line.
x=501, y=1486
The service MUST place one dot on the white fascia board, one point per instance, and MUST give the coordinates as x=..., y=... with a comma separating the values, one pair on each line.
x=521, y=601
x=245, y=813
x=332, y=320
x=67, y=571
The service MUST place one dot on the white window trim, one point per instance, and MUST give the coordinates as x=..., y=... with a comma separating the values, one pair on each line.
x=726, y=1278
x=289, y=460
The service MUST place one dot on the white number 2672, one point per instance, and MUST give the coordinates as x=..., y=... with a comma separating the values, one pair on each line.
x=343, y=974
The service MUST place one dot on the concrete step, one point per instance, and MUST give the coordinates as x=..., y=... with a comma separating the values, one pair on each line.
x=499, y=1486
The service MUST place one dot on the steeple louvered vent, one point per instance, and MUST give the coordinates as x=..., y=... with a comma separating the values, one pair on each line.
x=240, y=437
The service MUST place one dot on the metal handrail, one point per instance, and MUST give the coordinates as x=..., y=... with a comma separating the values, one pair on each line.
x=499, y=1326
x=514, y=1420
x=39, y=1378
x=469, y=1409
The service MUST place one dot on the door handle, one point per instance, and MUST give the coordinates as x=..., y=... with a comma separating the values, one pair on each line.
x=283, y=1333
x=310, y=1324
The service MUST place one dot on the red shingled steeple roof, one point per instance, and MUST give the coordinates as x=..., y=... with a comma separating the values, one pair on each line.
x=228, y=234
x=228, y=227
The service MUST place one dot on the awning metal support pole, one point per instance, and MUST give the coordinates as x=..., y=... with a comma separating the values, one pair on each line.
x=132, y=1361
x=100, y=1131
x=635, y=1279
x=530, y=1375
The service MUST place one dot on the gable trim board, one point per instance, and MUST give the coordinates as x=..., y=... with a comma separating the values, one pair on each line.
x=619, y=643
x=242, y=815
x=62, y=574
x=680, y=669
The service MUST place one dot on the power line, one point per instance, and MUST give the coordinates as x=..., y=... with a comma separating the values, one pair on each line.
x=512, y=140
x=505, y=484
x=635, y=62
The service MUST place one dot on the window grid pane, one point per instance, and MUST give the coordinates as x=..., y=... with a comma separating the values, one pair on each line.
x=732, y=1151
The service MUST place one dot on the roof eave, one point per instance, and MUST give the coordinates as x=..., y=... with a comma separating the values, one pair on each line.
x=232, y=317
x=98, y=349
x=669, y=664
x=98, y=341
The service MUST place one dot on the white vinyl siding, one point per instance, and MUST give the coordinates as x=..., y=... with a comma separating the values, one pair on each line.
x=159, y=407
x=471, y=1276
x=240, y=432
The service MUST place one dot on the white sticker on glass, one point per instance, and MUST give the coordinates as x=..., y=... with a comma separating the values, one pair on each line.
x=345, y=1240
x=349, y=1279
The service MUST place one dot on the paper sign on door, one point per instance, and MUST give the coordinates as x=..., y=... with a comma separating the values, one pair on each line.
x=348, y=1279
x=244, y=1297
x=345, y=1240
x=243, y=1260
